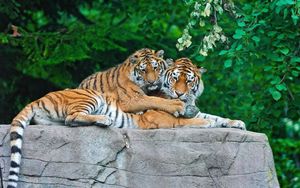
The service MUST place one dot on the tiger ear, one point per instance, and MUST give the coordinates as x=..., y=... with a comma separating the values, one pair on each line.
x=169, y=62
x=160, y=53
x=133, y=59
x=202, y=70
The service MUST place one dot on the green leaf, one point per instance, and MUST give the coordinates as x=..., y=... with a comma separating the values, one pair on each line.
x=3, y=39
x=236, y=36
x=295, y=19
x=285, y=2
x=241, y=24
x=285, y=13
x=278, y=9
x=275, y=80
x=239, y=33
x=281, y=36
x=275, y=94
x=219, y=9
x=228, y=63
x=222, y=52
x=267, y=68
x=281, y=87
x=272, y=33
x=256, y=13
x=239, y=61
x=285, y=51
x=239, y=47
x=262, y=22
x=256, y=39
x=193, y=22
x=295, y=60
x=295, y=73
x=275, y=57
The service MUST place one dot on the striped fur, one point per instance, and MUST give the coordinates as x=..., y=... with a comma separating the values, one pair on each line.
x=183, y=81
x=217, y=121
x=144, y=68
x=78, y=107
x=132, y=80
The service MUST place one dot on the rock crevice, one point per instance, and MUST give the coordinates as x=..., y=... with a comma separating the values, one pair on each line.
x=59, y=156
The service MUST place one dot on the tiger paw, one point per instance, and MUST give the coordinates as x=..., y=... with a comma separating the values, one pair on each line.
x=107, y=121
x=176, y=107
x=190, y=111
x=238, y=124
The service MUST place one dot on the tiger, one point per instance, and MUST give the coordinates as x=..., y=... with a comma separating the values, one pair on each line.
x=183, y=81
x=130, y=81
x=83, y=107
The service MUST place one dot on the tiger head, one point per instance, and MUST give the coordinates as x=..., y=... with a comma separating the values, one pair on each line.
x=183, y=81
x=147, y=68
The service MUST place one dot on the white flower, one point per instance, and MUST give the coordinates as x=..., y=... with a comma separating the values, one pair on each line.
x=187, y=43
x=179, y=47
x=202, y=23
x=202, y=52
x=180, y=40
x=197, y=6
x=207, y=9
x=223, y=38
x=217, y=36
x=209, y=46
x=217, y=28
x=206, y=39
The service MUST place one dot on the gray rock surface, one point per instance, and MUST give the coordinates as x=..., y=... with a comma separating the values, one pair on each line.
x=58, y=156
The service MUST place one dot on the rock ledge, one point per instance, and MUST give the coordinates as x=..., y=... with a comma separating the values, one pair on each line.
x=58, y=156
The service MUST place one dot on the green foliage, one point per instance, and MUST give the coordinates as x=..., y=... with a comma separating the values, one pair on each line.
x=253, y=74
x=260, y=77
x=285, y=150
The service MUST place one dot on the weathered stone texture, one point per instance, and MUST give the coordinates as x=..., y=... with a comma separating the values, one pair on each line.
x=58, y=156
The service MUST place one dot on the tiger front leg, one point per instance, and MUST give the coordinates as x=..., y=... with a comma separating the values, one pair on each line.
x=223, y=122
x=78, y=119
x=143, y=103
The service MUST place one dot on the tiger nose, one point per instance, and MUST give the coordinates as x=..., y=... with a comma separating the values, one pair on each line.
x=151, y=81
x=179, y=93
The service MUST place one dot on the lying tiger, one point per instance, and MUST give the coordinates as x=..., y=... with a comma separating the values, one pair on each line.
x=183, y=81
